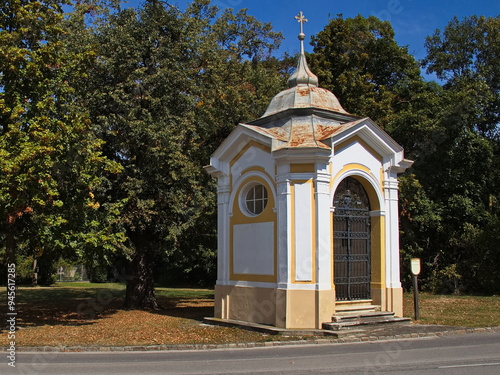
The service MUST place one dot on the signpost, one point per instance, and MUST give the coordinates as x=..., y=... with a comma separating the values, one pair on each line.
x=415, y=271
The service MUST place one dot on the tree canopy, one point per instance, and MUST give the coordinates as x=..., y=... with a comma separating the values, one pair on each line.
x=359, y=60
x=449, y=197
x=161, y=103
x=108, y=115
x=50, y=158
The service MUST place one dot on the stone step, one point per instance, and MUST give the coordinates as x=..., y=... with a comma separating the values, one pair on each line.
x=349, y=309
x=362, y=318
x=355, y=305
x=361, y=315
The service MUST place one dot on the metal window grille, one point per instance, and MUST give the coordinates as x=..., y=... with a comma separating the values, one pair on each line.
x=352, y=248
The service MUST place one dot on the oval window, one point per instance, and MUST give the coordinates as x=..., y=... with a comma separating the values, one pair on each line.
x=255, y=199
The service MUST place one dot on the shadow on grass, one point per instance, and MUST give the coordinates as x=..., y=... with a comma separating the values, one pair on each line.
x=67, y=306
x=185, y=308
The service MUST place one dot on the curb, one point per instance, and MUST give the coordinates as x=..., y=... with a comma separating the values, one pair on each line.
x=346, y=339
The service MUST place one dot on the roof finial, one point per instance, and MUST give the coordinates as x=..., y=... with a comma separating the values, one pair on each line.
x=301, y=19
x=302, y=75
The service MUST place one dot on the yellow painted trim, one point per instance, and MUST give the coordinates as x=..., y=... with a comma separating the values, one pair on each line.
x=378, y=252
x=292, y=229
x=332, y=220
x=313, y=234
x=245, y=149
x=382, y=237
x=382, y=249
x=238, y=217
x=348, y=167
x=254, y=278
x=313, y=231
x=382, y=179
x=302, y=168
x=372, y=195
x=267, y=215
x=332, y=248
x=242, y=152
x=255, y=169
x=365, y=145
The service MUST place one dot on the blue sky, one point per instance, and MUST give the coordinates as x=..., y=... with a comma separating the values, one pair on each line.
x=412, y=20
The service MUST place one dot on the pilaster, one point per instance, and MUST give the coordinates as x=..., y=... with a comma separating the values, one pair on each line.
x=391, y=187
x=223, y=210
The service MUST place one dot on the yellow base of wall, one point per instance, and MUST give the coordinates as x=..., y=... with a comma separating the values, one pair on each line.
x=249, y=304
x=293, y=309
x=280, y=308
x=395, y=301
x=306, y=308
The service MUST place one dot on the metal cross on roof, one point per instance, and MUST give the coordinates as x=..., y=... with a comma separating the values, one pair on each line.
x=301, y=19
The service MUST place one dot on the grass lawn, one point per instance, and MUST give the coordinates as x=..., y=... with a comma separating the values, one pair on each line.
x=466, y=311
x=72, y=314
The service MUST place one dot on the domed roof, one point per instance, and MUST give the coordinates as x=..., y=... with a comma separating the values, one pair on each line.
x=304, y=96
x=303, y=91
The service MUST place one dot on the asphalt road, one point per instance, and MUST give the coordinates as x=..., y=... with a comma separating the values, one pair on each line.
x=454, y=354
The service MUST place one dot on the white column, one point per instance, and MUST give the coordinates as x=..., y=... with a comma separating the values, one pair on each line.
x=391, y=187
x=223, y=210
x=283, y=206
x=323, y=228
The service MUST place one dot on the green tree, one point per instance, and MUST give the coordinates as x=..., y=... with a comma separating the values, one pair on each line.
x=359, y=60
x=49, y=158
x=361, y=63
x=464, y=180
x=168, y=86
x=465, y=56
x=449, y=197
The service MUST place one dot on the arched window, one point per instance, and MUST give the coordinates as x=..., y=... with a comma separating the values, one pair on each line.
x=351, y=194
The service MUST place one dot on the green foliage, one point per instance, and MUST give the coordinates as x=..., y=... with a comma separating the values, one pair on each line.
x=465, y=56
x=361, y=63
x=162, y=103
x=460, y=173
x=449, y=197
x=24, y=269
x=50, y=159
x=107, y=116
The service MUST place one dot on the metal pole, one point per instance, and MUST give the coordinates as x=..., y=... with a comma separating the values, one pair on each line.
x=415, y=297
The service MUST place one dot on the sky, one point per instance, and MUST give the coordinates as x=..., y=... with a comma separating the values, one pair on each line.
x=412, y=20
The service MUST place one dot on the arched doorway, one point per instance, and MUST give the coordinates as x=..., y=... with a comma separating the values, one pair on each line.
x=352, y=235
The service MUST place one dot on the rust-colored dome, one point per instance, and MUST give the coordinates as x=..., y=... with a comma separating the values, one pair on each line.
x=303, y=92
x=304, y=96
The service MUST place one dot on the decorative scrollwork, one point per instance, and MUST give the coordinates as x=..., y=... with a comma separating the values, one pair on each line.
x=351, y=194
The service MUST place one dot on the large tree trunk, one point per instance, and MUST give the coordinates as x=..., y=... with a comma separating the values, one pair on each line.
x=140, y=293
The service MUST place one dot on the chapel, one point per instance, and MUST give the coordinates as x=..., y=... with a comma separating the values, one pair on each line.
x=307, y=211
